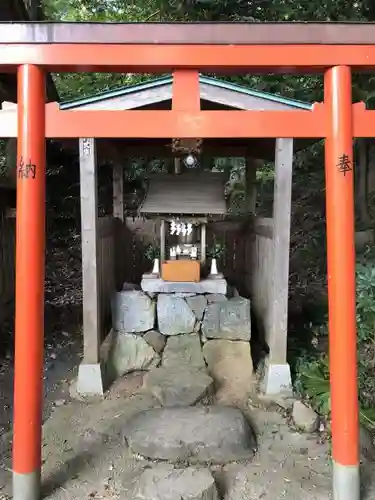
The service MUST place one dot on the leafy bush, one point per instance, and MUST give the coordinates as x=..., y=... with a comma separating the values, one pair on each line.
x=217, y=251
x=312, y=370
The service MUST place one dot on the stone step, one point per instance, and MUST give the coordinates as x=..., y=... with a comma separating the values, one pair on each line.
x=205, y=434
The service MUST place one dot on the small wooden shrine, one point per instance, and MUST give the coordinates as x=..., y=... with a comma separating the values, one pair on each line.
x=184, y=202
x=263, y=270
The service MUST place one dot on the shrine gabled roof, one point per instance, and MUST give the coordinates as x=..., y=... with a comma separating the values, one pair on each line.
x=149, y=92
x=190, y=193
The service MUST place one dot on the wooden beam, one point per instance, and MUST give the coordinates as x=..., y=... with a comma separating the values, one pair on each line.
x=206, y=124
x=185, y=124
x=166, y=58
x=118, y=191
x=281, y=238
x=182, y=124
x=161, y=148
x=90, y=271
x=177, y=33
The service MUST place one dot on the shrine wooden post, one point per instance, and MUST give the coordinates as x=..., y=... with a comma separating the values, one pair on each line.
x=90, y=374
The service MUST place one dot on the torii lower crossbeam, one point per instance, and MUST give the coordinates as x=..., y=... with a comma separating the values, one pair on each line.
x=35, y=48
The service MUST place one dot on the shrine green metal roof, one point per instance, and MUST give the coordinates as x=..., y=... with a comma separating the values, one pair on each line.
x=160, y=82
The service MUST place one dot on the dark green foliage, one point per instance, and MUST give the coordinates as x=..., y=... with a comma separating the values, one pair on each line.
x=312, y=379
x=152, y=252
x=216, y=251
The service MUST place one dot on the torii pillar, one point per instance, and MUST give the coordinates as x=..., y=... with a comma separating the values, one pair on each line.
x=30, y=250
x=341, y=283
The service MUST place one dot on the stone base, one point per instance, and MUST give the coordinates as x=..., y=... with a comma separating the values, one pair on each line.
x=169, y=332
x=90, y=381
x=151, y=276
x=277, y=379
x=155, y=285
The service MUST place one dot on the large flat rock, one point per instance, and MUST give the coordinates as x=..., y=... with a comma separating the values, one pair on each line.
x=228, y=320
x=184, y=350
x=178, y=385
x=164, y=482
x=174, y=315
x=133, y=312
x=202, y=434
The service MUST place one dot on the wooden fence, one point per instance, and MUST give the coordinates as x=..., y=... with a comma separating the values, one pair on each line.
x=107, y=228
x=260, y=282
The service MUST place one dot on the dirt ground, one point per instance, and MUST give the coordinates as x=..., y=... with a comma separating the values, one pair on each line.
x=60, y=363
x=85, y=455
x=63, y=335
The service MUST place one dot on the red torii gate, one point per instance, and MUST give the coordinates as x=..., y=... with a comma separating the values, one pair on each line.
x=333, y=49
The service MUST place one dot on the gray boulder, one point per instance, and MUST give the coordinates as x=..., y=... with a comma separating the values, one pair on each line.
x=184, y=350
x=129, y=353
x=133, y=311
x=214, y=434
x=174, y=315
x=228, y=320
x=216, y=297
x=304, y=417
x=198, y=305
x=155, y=340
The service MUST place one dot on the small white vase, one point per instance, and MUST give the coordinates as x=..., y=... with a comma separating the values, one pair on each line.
x=156, y=268
x=213, y=271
